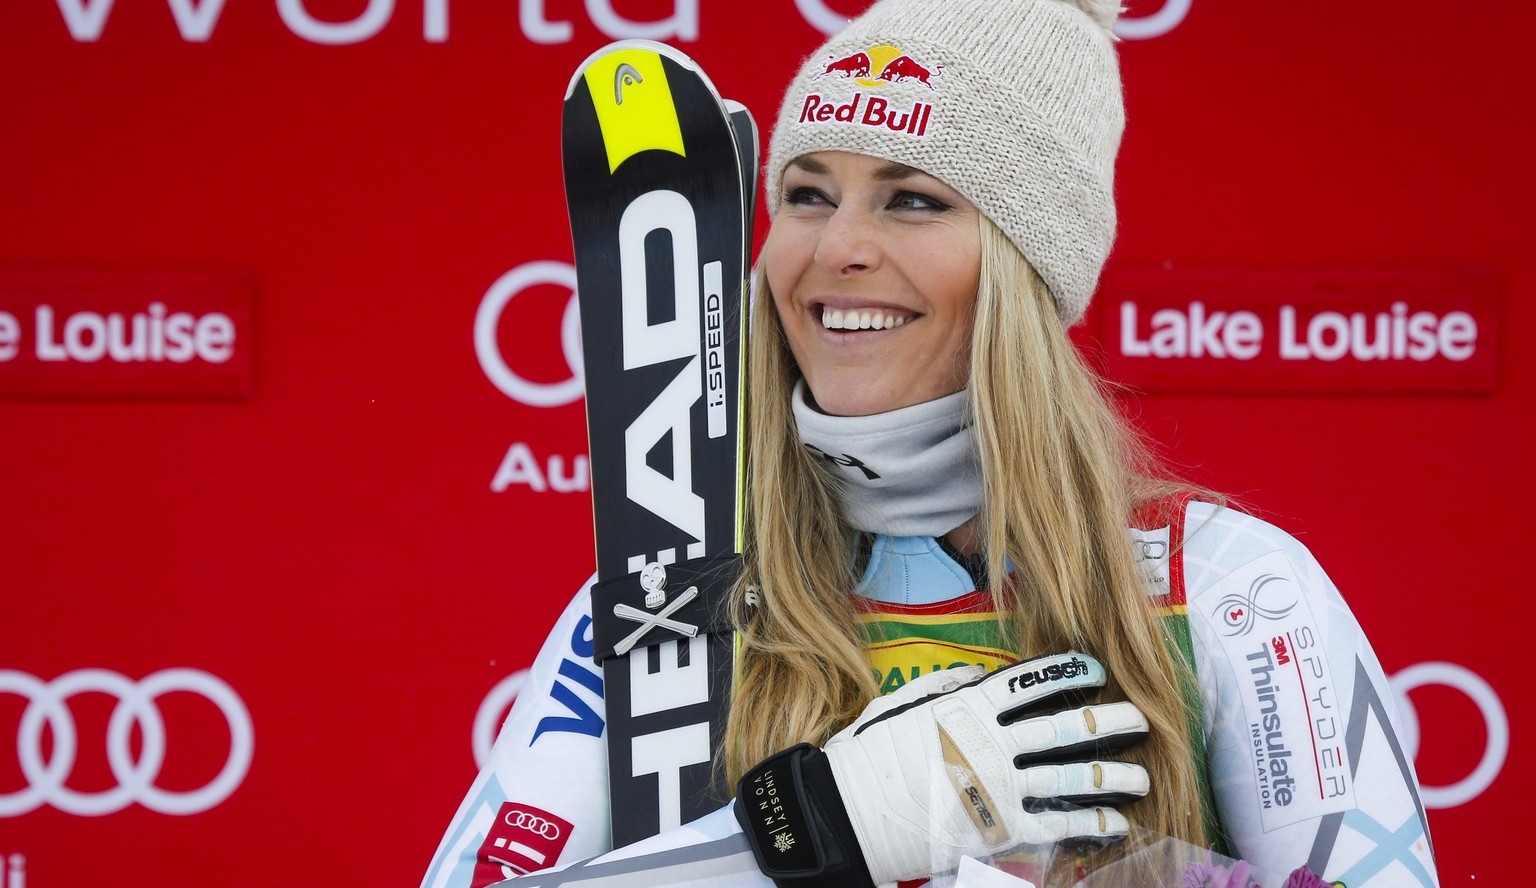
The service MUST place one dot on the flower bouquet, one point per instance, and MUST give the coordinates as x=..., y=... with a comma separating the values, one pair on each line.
x=1170, y=863
x=1158, y=863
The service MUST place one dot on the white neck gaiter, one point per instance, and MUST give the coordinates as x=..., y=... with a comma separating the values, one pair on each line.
x=909, y=472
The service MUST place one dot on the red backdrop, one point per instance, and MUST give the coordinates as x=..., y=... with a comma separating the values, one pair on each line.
x=339, y=555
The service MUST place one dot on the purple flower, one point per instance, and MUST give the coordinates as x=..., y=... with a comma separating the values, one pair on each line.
x=1304, y=878
x=1210, y=875
x=1204, y=875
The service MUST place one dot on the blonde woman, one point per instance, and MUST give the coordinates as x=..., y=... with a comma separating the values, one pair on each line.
x=981, y=616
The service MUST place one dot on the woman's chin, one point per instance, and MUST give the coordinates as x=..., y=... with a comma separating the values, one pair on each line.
x=837, y=400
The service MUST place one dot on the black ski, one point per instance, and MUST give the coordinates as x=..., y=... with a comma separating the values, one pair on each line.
x=659, y=186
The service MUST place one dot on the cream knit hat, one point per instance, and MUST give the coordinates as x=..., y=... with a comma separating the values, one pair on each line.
x=1014, y=103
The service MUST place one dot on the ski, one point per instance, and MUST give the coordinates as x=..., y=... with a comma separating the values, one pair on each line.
x=659, y=186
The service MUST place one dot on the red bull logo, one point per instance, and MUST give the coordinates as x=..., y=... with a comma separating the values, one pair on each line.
x=906, y=68
x=892, y=64
x=868, y=111
x=873, y=68
x=855, y=66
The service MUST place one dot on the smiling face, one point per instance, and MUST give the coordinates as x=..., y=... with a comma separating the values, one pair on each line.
x=873, y=267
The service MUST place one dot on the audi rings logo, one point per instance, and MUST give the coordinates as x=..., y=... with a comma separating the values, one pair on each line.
x=1495, y=720
x=46, y=705
x=494, y=364
x=532, y=823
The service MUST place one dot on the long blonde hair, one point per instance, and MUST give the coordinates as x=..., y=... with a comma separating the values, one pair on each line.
x=1062, y=474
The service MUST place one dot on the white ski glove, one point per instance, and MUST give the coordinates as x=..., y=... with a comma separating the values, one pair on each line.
x=952, y=764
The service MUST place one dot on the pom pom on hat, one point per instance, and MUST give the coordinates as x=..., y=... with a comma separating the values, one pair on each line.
x=1104, y=12
x=1014, y=103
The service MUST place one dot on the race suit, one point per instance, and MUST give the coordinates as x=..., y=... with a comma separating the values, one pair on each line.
x=1301, y=751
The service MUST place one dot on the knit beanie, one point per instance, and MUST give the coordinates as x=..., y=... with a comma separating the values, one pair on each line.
x=1014, y=103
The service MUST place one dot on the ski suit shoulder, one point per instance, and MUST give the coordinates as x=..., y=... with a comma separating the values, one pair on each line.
x=1300, y=725
x=542, y=797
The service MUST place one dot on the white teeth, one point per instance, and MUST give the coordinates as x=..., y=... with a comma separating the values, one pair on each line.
x=860, y=319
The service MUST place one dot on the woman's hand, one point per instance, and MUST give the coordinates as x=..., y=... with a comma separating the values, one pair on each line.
x=954, y=763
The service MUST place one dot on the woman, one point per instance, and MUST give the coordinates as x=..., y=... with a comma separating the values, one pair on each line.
x=937, y=481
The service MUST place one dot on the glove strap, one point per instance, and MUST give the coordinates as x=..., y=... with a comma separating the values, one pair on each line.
x=793, y=815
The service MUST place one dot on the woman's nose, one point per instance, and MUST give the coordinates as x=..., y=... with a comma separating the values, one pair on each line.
x=849, y=242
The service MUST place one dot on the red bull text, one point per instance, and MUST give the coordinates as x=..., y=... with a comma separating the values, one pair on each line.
x=868, y=111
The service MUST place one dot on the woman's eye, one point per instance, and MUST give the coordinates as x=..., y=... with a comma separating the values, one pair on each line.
x=804, y=196
x=910, y=200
